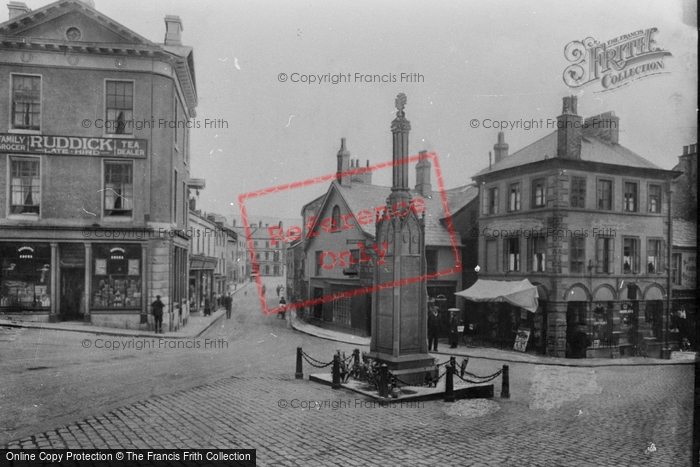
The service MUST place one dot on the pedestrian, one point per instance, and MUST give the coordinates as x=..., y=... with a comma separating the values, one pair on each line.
x=263, y=289
x=207, y=307
x=454, y=324
x=157, y=311
x=283, y=305
x=433, y=325
x=229, y=303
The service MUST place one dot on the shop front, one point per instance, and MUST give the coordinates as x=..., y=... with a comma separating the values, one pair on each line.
x=202, y=283
x=25, y=278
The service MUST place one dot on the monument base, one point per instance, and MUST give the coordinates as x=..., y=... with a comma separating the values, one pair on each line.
x=411, y=369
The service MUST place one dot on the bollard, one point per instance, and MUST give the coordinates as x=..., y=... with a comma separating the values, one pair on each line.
x=384, y=381
x=300, y=372
x=453, y=361
x=336, y=372
x=449, y=384
x=505, y=383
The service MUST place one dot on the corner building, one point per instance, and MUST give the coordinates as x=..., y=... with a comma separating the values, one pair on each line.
x=94, y=167
x=587, y=221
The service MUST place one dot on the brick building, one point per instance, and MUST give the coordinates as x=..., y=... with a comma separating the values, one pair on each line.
x=587, y=221
x=94, y=165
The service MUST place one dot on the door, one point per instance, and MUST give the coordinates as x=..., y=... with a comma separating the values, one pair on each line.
x=72, y=291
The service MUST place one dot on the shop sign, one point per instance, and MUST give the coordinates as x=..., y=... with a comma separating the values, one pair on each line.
x=521, y=339
x=73, y=145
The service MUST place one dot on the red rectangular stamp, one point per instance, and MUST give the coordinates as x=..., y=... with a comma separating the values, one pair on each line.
x=344, y=242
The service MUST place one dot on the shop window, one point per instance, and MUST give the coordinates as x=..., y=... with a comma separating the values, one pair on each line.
x=431, y=261
x=630, y=255
x=600, y=326
x=116, y=281
x=120, y=107
x=538, y=193
x=577, y=254
x=630, y=197
x=654, y=256
x=654, y=203
x=578, y=192
x=514, y=197
x=25, y=277
x=341, y=311
x=512, y=248
x=25, y=186
x=26, y=102
x=604, y=254
x=605, y=195
x=119, y=189
x=537, y=253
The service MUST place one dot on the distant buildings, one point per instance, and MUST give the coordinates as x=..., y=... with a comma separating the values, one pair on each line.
x=94, y=157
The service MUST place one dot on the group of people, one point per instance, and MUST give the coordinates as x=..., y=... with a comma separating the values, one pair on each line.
x=435, y=326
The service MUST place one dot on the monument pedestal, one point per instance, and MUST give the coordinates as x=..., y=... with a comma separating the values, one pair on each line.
x=409, y=368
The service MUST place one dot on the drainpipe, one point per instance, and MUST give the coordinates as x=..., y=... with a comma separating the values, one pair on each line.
x=668, y=269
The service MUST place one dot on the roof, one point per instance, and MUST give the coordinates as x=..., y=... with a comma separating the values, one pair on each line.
x=459, y=197
x=684, y=233
x=360, y=196
x=593, y=149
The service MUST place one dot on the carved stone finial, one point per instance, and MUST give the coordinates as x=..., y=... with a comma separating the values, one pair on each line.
x=400, y=102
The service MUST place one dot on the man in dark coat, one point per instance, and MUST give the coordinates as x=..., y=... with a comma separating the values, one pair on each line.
x=157, y=310
x=228, y=302
x=433, y=325
x=454, y=323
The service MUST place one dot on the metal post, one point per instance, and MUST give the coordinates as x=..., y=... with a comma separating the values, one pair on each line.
x=505, y=383
x=336, y=372
x=449, y=384
x=383, y=380
x=300, y=372
x=356, y=357
x=453, y=361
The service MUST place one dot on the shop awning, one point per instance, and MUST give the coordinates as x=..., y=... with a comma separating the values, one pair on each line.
x=198, y=262
x=522, y=294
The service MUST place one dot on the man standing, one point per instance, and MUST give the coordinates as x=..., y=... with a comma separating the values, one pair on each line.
x=454, y=324
x=228, y=302
x=433, y=325
x=157, y=310
x=283, y=305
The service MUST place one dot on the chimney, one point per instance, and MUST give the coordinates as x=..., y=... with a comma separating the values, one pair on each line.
x=343, y=163
x=604, y=126
x=685, y=150
x=260, y=224
x=569, y=130
x=17, y=9
x=423, y=185
x=500, y=149
x=173, y=28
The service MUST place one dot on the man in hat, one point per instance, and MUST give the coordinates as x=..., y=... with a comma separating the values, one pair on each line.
x=157, y=310
x=433, y=325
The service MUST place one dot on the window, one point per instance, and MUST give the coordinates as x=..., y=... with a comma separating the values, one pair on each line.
x=431, y=261
x=257, y=256
x=276, y=270
x=605, y=195
x=578, y=192
x=577, y=253
x=630, y=255
x=175, y=198
x=267, y=269
x=25, y=186
x=354, y=260
x=514, y=197
x=676, y=272
x=512, y=254
x=267, y=244
x=255, y=243
x=26, y=102
x=267, y=255
x=604, y=254
x=654, y=198
x=120, y=107
x=537, y=253
x=341, y=311
x=654, y=256
x=335, y=222
x=491, y=256
x=318, y=263
x=630, y=197
x=538, y=193
x=490, y=201
x=119, y=188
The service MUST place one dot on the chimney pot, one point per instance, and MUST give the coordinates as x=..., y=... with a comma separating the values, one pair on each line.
x=343, y=163
x=423, y=185
x=173, y=30
x=685, y=150
x=500, y=149
x=17, y=9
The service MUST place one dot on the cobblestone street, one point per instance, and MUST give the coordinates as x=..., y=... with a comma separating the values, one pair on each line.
x=556, y=415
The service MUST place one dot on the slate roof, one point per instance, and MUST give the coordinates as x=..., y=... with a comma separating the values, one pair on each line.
x=593, y=149
x=360, y=196
x=684, y=233
x=459, y=197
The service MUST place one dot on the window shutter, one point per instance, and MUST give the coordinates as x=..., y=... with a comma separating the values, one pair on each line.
x=637, y=259
x=600, y=246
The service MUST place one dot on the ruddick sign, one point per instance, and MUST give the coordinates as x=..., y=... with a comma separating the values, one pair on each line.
x=73, y=145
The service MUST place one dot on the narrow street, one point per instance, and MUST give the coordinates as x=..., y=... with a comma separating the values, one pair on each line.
x=245, y=396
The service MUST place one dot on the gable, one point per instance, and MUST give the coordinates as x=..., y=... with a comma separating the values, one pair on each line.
x=53, y=21
x=335, y=198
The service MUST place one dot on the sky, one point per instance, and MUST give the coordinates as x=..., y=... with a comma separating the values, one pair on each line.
x=485, y=60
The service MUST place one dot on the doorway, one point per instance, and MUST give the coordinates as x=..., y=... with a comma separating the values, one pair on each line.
x=72, y=291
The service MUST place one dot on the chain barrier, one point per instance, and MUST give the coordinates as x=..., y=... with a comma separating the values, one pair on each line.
x=318, y=363
x=443, y=363
x=486, y=379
